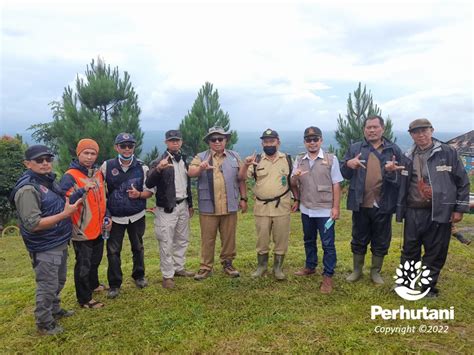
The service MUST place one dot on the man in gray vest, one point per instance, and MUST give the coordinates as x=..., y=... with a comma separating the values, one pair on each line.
x=317, y=176
x=218, y=200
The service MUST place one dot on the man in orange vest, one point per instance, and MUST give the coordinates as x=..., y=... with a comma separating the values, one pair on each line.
x=84, y=180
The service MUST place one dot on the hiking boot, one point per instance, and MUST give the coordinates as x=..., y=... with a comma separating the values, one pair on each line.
x=377, y=262
x=51, y=329
x=167, y=283
x=202, y=274
x=184, y=273
x=326, y=285
x=229, y=269
x=62, y=314
x=358, y=260
x=304, y=272
x=141, y=283
x=278, y=267
x=113, y=292
x=262, y=266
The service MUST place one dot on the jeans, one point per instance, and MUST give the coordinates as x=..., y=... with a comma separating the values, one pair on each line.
x=311, y=226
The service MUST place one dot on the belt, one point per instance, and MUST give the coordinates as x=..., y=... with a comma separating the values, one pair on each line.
x=179, y=201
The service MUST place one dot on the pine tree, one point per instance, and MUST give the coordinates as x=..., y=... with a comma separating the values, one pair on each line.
x=350, y=128
x=102, y=105
x=205, y=113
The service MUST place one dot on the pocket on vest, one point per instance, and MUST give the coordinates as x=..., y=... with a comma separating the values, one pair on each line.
x=325, y=192
x=204, y=194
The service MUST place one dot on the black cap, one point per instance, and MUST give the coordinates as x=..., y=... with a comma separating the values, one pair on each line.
x=124, y=137
x=173, y=135
x=270, y=133
x=36, y=151
x=312, y=131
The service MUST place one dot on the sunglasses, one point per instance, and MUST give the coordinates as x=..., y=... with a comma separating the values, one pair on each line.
x=312, y=139
x=214, y=140
x=127, y=145
x=40, y=160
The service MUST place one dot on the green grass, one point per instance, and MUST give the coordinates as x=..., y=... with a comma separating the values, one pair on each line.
x=222, y=315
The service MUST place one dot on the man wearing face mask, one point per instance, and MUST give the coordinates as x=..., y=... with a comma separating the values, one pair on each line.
x=174, y=208
x=271, y=172
x=126, y=202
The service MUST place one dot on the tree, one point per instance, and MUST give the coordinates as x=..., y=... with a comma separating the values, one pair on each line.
x=350, y=128
x=205, y=113
x=11, y=165
x=102, y=105
x=151, y=155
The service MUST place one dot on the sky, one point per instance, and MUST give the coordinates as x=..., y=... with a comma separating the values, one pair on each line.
x=283, y=65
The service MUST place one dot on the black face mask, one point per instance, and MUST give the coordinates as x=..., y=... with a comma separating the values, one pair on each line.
x=270, y=150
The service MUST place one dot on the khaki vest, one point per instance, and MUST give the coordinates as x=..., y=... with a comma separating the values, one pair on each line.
x=316, y=186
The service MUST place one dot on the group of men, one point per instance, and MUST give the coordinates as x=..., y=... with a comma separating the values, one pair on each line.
x=428, y=187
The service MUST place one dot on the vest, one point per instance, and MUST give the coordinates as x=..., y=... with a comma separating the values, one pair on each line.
x=51, y=203
x=316, y=186
x=230, y=170
x=88, y=220
x=118, y=182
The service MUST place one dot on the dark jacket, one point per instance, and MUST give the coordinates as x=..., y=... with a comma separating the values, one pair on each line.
x=118, y=182
x=390, y=181
x=164, y=183
x=52, y=202
x=448, y=180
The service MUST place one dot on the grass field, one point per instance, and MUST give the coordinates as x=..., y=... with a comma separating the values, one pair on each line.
x=222, y=315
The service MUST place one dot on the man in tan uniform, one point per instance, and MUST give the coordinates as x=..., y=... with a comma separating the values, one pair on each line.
x=217, y=170
x=271, y=171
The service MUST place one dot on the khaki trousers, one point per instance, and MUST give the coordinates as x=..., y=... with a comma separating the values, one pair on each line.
x=210, y=224
x=276, y=227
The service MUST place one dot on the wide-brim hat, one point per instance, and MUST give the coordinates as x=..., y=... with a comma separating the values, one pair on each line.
x=216, y=130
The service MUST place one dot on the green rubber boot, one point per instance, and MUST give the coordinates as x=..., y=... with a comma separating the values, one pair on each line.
x=358, y=260
x=377, y=262
x=262, y=266
x=278, y=267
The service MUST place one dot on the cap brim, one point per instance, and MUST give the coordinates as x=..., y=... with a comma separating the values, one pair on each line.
x=41, y=155
x=173, y=139
x=412, y=129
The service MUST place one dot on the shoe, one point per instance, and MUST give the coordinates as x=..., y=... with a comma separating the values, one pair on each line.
x=184, y=273
x=167, y=283
x=141, y=283
x=202, y=274
x=358, y=260
x=51, y=329
x=229, y=269
x=326, y=285
x=113, y=292
x=100, y=288
x=62, y=314
x=305, y=272
x=92, y=304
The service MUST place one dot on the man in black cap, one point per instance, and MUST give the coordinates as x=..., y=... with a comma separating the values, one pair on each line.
x=46, y=229
x=434, y=194
x=126, y=202
x=174, y=207
x=271, y=172
x=372, y=168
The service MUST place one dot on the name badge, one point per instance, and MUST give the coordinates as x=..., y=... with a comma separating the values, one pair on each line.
x=448, y=168
x=404, y=172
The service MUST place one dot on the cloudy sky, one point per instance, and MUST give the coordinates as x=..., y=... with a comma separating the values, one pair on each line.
x=284, y=65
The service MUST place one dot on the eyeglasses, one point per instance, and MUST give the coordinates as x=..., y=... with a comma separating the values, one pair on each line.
x=126, y=145
x=214, y=140
x=312, y=139
x=40, y=160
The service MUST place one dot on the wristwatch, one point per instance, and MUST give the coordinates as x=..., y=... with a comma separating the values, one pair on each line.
x=244, y=199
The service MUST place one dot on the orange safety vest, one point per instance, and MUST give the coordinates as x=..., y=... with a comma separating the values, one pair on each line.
x=88, y=219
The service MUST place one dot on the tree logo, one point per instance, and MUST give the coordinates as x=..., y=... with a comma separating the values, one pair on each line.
x=410, y=277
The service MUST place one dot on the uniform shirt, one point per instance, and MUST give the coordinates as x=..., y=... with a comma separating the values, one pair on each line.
x=137, y=216
x=336, y=177
x=180, y=179
x=220, y=195
x=272, y=181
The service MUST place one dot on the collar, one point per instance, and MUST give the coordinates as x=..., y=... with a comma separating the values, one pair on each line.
x=279, y=155
x=320, y=155
x=129, y=165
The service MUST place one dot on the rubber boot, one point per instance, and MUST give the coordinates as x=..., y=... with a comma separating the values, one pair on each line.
x=377, y=262
x=278, y=267
x=262, y=265
x=358, y=260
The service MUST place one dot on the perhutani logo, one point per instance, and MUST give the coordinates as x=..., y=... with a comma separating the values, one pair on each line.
x=410, y=277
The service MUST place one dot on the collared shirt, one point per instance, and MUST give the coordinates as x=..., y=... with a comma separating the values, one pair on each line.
x=137, y=216
x=180, y=179
x=28, y=205
x=272, y=181
x=220, y=195
x=336, y=177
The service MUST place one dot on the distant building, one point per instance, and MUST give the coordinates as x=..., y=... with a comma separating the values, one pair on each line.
x=464, y=144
